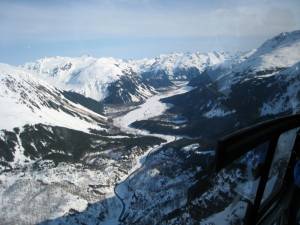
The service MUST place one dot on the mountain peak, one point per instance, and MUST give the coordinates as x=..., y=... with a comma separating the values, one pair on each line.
x=35, y=101
x=281, y=40
x=91, y=76
x=278, y=52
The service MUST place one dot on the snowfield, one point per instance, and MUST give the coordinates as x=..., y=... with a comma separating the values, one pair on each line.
x=85, y=75
x=25, y=99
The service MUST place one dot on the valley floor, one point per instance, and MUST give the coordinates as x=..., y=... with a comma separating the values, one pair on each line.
x=151, y=108
x=44, y=193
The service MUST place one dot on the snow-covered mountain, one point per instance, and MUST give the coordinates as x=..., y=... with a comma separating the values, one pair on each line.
x=287, y=98
x=178, y=66
x=258, y=88
x=31, y=111
x=262, y=85
x=51, y=145
x=275, y=54
x=102, y=79
x=116, y=81
x=171, y=63
x=214, y=71
x=26, y=99
x=56, y=156
x=280, y=51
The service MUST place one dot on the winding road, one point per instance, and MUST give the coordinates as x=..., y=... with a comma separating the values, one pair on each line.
x=151, y=108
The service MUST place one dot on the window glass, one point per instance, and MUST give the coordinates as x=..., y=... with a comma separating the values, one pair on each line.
x=234, y=188
x=280, y=162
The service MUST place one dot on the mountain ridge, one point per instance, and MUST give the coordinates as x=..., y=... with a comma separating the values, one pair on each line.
x=98, y=78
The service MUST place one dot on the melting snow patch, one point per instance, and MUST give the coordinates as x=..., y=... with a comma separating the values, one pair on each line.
x=217, y=112
x=191, y=147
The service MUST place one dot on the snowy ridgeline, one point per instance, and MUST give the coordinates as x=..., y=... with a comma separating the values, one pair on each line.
x=29, y=100
x=278, y=53
x=93, y=77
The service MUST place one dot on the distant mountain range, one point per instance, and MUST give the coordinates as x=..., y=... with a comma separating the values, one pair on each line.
x=261, y=84
x=116, y=81
x=58, y=139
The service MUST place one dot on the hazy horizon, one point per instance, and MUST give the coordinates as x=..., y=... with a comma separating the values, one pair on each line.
x=33, y=29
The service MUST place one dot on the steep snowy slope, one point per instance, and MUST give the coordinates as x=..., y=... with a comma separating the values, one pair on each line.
x=280, y=51
x=275, y=54
x=108, y=79
x=181, y=65
x=25, y=99
x=85, y=75
x=287, y=97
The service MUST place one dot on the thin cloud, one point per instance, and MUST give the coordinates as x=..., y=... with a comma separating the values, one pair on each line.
x=138, y=28
x=94, y=19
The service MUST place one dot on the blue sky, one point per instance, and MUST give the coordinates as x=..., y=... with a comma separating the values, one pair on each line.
x=31, y=29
